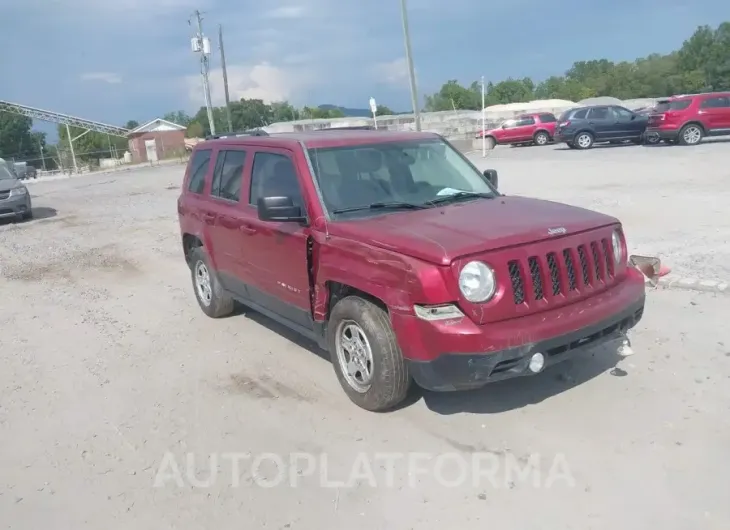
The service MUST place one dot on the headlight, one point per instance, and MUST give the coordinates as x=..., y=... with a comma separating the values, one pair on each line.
x=476, y=282
x=618, y=250
x=20, y=190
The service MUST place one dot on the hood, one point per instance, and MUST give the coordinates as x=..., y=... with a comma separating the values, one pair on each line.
x=440, y=235
x=9, y=184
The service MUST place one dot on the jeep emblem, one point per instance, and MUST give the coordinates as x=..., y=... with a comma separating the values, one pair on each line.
x=557, y=231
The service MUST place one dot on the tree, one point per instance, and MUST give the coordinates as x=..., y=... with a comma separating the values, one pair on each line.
x=179, y=117
x=131, y=124
x=382, y=110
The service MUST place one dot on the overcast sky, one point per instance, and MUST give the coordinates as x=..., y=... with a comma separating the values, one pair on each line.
x=115, y=60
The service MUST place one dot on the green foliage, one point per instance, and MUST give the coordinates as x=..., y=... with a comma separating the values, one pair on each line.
x=382, y=110
x=701, y=64
x=89, y=147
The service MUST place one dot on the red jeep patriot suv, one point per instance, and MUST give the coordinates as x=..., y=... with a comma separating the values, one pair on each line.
x=395, y=254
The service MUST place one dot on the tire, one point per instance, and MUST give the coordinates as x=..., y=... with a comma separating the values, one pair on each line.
x=27, y=216
x=388, y=382
x=570, y=144
x=212, y=299
x=691, y=134
x=541, y=138
x=583, y=140
x=491, y=143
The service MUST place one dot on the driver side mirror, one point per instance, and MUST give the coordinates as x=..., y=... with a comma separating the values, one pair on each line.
x=492, y=177
x=280, y=209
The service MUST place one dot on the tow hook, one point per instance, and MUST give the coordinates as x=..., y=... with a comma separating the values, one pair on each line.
x=651, y=267
x=625, y=349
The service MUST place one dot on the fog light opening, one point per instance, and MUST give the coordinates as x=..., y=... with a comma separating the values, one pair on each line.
x=537, y=363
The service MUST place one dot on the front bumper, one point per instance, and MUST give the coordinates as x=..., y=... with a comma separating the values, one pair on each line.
x=14, y=206
x=460, y=355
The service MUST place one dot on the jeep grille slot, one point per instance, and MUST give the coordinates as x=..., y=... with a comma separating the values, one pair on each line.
x=573, y=285
x=515, y=276
x=552, y=260
x=536, y=275
x=608, y=257
x=582, y=255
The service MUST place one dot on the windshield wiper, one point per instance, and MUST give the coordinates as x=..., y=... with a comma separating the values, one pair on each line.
x=461, y=195
x=383, y=206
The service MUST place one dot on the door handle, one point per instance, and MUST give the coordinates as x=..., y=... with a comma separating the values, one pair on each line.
x=208, y=217
x=247, y=229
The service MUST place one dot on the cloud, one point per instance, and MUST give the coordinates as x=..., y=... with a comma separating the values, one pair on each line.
x=291, y=11
x=393, y=72
x=261, y=81
x=104, y=77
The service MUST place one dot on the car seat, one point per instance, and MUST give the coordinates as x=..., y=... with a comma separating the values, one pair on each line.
x=282, y=182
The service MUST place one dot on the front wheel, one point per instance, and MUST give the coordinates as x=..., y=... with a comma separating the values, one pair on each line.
x=584, y=140
x=691, y=134
x=366, y=356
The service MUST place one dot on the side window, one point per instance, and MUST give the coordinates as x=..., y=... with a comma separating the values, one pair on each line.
x=198, y=169
x=622, y=114
x=274, y=175
x=228, y=175
x=580, y=115
x=598, y=113
x=522, y=122
x=547, y=118
x=715, y=103
x=509, y=124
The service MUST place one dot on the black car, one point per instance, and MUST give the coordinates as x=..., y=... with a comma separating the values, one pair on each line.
x=582, y=127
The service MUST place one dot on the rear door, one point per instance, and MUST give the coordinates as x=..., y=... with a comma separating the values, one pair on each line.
x=603, y=123
x=276, y=252
x=715, y=113
x=229, y=218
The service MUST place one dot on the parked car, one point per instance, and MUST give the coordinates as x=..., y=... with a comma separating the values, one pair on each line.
x=395, y=254
x=583, y=127
x=528, y=129
x=686, y=119
x=14, y=197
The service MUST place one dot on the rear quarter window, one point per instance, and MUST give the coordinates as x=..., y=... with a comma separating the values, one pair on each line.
x=197, y=170
x=580, y=114
x=547, y=118
x=680, y=104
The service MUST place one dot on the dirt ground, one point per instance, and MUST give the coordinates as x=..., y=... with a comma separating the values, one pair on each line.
x=110, y=376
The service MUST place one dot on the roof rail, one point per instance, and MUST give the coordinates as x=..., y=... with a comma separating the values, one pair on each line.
x=253, y=132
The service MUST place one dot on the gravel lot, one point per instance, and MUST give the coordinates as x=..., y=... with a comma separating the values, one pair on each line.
x=107, y=365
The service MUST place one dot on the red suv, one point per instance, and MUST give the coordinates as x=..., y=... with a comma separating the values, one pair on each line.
x=537, y=129
x=396, y=255
x=687, y=119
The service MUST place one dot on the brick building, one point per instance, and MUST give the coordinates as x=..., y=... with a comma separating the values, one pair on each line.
x=156, y=140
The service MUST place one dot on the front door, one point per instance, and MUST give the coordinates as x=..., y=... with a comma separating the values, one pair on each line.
x=628, y=124
x=277, y=252
x=229, y=218
x=716, y=114
x=603, y=123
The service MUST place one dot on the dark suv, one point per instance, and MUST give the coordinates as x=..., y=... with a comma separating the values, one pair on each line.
x=583, y=127
x=394, y=253
x=689, y=118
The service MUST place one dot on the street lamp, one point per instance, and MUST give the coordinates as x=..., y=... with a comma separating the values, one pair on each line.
x=409, y=60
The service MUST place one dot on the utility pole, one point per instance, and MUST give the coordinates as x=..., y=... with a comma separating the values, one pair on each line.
x=411, y=70
x=201, y=45
x=71, y=145
x=484, y=121
x=225, y=78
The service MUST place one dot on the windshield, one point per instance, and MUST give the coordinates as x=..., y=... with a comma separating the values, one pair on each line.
x=679, y=104
x=415, y=173
x=5, y=172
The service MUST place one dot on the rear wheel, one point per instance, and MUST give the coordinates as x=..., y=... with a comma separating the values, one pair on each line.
x=491, y=142
x=584, y=140
x=691, y=134
x=541, y=138
x=366, y=356
x=570, y=144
